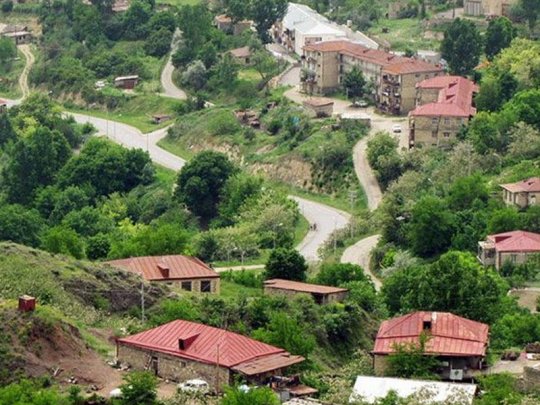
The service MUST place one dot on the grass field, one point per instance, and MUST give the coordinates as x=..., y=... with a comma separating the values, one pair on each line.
x=403, y=34
x=179, y=3
x=9, y=77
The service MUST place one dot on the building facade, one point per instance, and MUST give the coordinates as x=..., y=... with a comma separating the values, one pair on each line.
x=190, y=273
x=322, y=294
x=444, y=105
x=522, y=194
x=488, y=7
x=182, y=350
x=393, y=77
x=514, y=247
x=459, y=344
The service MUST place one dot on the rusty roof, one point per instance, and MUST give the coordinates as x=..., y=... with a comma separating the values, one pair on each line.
x=242, y=52
x=212, y=346
x=516, y=241
x=318, y=102
x=281, y=284
x=450, y=335
x=531, y=185
x=179, y=267
x=389, y=62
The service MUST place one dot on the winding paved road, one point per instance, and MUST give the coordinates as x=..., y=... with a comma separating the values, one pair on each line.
x=327, y=218
x=169, y=88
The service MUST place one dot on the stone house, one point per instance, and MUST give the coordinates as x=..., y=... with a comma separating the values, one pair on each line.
x=393, y=77
x=241, y=55
x=444, y=105
x=488, y=8
x=190, y=273
x=459, y=344
x=523, y=193
x=319, y=107
x=20, y=34
x=224, y=23
x=322, y=294
x=515, y=247
x=182, y=350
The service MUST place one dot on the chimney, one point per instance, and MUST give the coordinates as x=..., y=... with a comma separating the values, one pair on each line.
x=164, y=270
x=27, y=303
x=186, y=341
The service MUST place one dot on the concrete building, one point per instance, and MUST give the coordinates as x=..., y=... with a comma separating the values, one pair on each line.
x=322, y=294
x=459, y=344
x=319, y=107
x=190, y=273
x=444, y=105
x=515, y=247
x=302, y=25
x=182, y=350
x=394, y=77
x=126, y=82
x=371, y=390
x=523, y=193
x=488, y=8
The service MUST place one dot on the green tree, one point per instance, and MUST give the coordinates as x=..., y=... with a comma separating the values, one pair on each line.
x=163, y=19
x=158, y=43
x=195, y=76
x=431, y=227
x=255, y=396
x=265, y=13
x=225, y=72
x=354, y=83
x=504, y=220
x=201, y=181
x=139, y=388
x=484, y=133
x=20, y=225
x=8, y=51
x=63, y=240
x=7, y=133
x=265, y=64
x=409, y=360
x=98, y=247
x=287, y=264
x=337, y=274
x=135, y=20
x=285, y=332
x=499, y=35
x=532, y=11
x=464, y=191
x=236, y=192
x=524, y=107
x=237, y=10
x=461, y=46
x=384, y=158
x=195, y=22
x=7, y=6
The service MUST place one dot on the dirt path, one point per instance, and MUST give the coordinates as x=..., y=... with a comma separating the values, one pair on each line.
x=23, y=78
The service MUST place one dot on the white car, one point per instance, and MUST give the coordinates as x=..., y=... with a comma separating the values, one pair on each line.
x=195, y=385
x=396, y=129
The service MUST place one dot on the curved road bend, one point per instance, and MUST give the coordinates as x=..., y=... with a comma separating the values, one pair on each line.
x=169, y=88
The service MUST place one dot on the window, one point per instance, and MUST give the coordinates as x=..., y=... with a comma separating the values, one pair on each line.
x=186, y=285
x=426, y=325
x=513, y=258
x=446, y=134
x=434, y=134
x=447, y=121
x=434, y=121
x=206, y=286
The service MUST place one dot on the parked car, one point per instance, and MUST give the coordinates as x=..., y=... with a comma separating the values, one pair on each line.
x=195, y=385
x=360, y=103
x=396, y=129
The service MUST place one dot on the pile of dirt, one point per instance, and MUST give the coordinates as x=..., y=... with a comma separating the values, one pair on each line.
x=40, y=345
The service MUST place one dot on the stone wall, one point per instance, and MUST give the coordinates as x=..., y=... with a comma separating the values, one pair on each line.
x=173, y=368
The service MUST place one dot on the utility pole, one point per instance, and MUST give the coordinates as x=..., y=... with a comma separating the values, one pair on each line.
x=142, y=299
x=352, y=198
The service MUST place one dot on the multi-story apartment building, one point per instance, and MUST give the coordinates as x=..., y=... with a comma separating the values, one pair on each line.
x=444, y=106
x=394, y=77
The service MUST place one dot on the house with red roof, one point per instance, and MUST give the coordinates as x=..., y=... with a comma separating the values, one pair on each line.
x=443, y=106
x=515, y=247
x=190, y=273
x=523, y=193
x=182, y=350
x=322, y=294
x=458, y=343
x=394, y=76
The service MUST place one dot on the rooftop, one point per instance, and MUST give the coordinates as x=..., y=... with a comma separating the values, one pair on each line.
x=455, y=97
x=371, y=389
x=211, y=345
x=515, y=241
x=390, y=63
x=318, y=102
x=450, y=334
x=242, y=52
x=531, y=185
x=171, y=267
x=302, y=287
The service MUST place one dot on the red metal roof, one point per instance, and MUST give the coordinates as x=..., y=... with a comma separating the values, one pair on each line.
x=155, y=268
x=451, y=335
x=302, y=287
x=390, y=63
x=516, y=241
x=531, y=185
x=454, y=100
x=209, y=345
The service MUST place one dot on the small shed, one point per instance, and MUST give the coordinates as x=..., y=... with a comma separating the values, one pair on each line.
x=319, y=106
x=27, y=303
x=159, y=118
x=126, y=82
x=322, y=294
x=242, y=55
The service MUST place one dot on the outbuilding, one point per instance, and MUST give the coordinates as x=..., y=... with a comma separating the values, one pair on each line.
x=126, y=82
x=182, y=350
x=322, y=294
x=319, y=106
